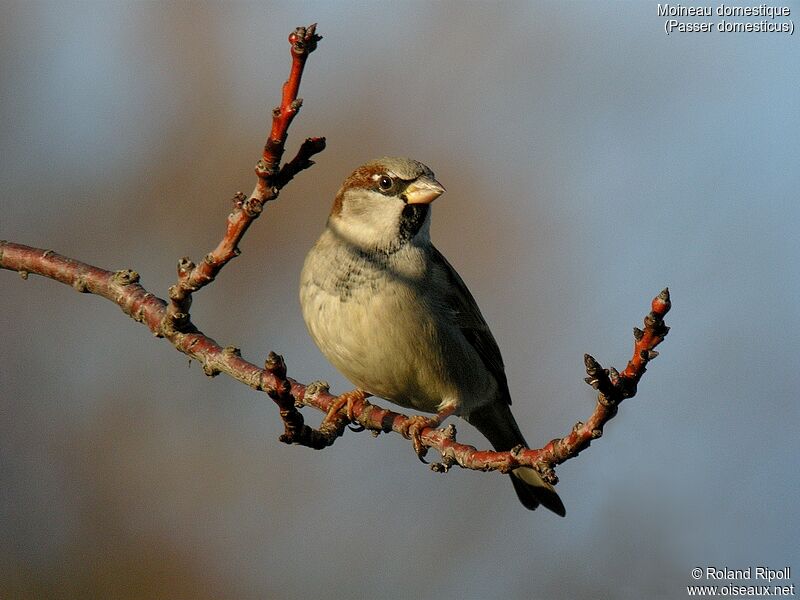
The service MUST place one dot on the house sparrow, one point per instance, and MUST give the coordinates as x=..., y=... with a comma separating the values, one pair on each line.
x=387, y=309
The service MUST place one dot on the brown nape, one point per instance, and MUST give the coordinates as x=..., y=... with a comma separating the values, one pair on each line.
x=337, y=202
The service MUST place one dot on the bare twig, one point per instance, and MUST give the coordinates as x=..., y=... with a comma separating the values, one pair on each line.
x=270, y=180
x=303, y=41
x=295, y=429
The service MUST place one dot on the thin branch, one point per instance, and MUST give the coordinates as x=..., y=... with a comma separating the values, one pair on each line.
x=301, y=161
x=295, y=429
x=270, y=180
x=303, y=42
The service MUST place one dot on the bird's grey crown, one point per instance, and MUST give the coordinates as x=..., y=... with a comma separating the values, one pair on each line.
x=406, y=169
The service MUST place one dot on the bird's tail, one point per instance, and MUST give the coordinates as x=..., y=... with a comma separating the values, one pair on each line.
x=497, y=424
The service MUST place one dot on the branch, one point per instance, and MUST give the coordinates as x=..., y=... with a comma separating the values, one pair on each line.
x=613, y=387
x=122, y=288
x=169, y=319
x=270, y=180
x=303, y=41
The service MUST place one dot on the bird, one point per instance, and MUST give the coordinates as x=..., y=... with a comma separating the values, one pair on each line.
x=387, y=309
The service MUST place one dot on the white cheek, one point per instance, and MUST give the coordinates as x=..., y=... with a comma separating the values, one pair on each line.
x=369, y=222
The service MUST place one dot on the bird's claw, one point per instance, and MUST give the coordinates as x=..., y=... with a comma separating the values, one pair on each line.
x=349, y=401
x=412, y=429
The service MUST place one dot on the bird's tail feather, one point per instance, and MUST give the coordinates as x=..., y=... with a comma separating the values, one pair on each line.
x=497, y=424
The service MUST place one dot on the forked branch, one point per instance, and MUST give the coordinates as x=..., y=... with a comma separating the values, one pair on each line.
x=270, y=181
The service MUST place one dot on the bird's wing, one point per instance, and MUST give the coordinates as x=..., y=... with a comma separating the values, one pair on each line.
x=459, y=303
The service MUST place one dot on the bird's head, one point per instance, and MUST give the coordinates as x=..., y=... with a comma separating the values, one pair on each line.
x=384, y=204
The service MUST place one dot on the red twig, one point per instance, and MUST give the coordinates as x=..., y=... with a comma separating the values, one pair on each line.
x=303, y=41
x=270, y=180
x=295, y=429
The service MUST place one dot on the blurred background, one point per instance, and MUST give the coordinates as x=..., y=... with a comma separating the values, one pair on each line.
x=590, y=160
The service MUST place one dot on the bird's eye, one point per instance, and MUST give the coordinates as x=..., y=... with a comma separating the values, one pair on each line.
x=385, y=183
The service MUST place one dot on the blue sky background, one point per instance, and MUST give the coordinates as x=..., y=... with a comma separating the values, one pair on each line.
x=589, y=160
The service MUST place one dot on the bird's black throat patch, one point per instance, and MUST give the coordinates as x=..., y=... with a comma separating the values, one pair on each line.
x=411, y=220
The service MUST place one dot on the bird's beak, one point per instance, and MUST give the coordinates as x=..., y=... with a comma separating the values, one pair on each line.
x=423, y=190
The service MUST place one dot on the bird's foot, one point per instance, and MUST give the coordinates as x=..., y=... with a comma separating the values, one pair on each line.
x=412, y=430
x=350, y=401
x=414, y=425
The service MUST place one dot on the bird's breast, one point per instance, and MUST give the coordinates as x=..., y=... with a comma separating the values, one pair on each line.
x=380, y=323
